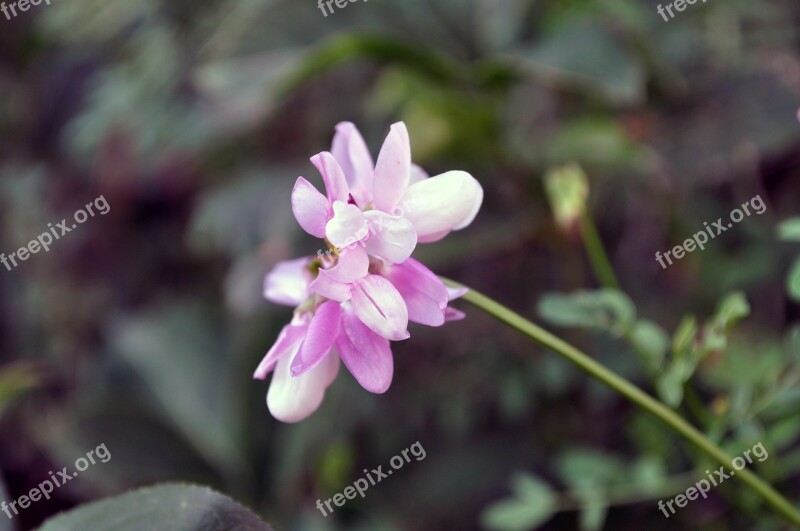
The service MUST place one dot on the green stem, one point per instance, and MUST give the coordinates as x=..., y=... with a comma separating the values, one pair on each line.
x=633, y=393
x=601, y=265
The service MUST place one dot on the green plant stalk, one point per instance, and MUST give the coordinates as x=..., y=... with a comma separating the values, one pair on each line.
x=598, y=258
x=633, y=393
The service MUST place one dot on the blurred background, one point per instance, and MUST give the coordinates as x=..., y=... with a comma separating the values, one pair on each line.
x=141, y=328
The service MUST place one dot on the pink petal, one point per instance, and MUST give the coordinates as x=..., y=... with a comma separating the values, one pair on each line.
x=322, y=332
x=393, y=238
x=332, y=175
x=366, y=355
x=433, y=237
x=288, y=341
x=451, y=314
x=413, y=276
x=350, y=150
x=292, y=399
x=288, y=282
x=310, y=208
x=425, y=295
x=326, y=286
x=446, y=202
x=352, y=264
x=347, y=226
x=393, y=169
x=379, y=306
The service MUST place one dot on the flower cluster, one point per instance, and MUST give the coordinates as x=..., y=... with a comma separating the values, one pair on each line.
x=350, y=307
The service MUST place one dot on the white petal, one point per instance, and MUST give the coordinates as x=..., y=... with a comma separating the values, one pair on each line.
x=288, y=282
x=446, y=202
x=347, y=226
x=293, y=399
x=392, y=238
x=352, y=264
x=379, y=306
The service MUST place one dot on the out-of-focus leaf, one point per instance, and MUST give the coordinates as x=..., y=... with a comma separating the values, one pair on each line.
x=500, y=23
x=793, y=282
x=684, y=335
x=242, y=91
x=605, y=309
x=731, y=309
x=533, y=504
x=784, y=432
x=588, y=55
x=238, y=216
x=347, y=47
x=583, y=469
x=15, y=380
x=670, y=384
x=651, y=341
x=169, y=507
x=789, y=230
x=180, y=358
x=599, y=142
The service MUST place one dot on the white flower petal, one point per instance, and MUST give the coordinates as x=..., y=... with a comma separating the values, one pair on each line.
x=292, y=399
x=446, y=202
x=288, y=282
x=392, y=238
x=347, y=226
x=379, y=306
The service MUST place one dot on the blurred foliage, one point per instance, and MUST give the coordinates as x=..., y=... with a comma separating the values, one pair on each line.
x=194, y=119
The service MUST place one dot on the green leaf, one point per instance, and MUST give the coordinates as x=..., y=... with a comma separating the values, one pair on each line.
x=651, y=341
x=587, y=55
x=169, y=507
x=731, y=309
x=793, y=282
x=789, y=230
x=178, y=352
x=588, y=468
x=534, y=503
x=605, y=309
x=684, y=335
x=670, y=385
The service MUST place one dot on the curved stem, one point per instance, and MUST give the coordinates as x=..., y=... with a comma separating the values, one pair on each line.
x=633, y=393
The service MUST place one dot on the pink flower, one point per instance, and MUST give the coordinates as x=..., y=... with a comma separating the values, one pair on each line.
x=387, y=207
x=371, y=218
x=305, y=357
